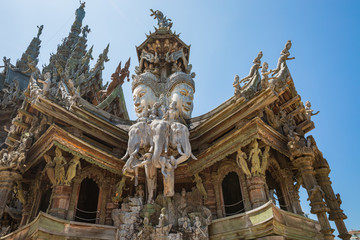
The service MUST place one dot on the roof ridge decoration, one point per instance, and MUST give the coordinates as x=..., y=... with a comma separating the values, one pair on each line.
x=164, y=23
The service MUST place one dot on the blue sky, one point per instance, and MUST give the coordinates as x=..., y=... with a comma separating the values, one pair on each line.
x=225, y=37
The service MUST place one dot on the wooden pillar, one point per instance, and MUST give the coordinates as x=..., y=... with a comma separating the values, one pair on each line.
x=279, y=177
x=7, y=179
x=73, y=200
x=293, y=193
x=60, y=200
x=105, y=187
x=336, y=213
x=210, y=202
x=218, y=197
x=303, y=160
x=256, y=188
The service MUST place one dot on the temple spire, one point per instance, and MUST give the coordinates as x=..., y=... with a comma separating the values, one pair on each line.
x=32, y=51
x=65, y=49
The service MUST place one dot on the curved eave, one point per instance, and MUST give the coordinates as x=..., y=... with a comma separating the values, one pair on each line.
x=56, y=136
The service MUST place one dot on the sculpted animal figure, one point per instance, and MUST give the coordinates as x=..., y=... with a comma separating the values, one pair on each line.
x=179, y=139
x=139, y=138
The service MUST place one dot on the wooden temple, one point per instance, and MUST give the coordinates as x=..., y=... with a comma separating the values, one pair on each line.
x=64, y=176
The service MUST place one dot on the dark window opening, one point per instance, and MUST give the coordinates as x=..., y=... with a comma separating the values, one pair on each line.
x=86, y=209
x=45, y=200
x=233, y=200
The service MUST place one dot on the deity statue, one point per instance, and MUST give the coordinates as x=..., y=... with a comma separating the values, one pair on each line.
x=254, y=156
x=241, y=162
x=59, y=162
x=40, y=30
x=309, y=111
x=46, y=83
x=71, y=172
x=197, y=229
x=120, y=186
x=162, y=218
x=183, y=94
x=284, y=55
x=144, y=98
x=49, y=169
x=199, y=185
x=265, y=78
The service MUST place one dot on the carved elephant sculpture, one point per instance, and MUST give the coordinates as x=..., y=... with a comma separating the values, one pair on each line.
x=139, y=138
x=179, y=139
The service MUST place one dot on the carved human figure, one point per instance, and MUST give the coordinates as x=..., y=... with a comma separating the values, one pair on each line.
x=71, y=172
x=284, y=55
x=264, y=76
x=197, y=229
x=144, y=98
x=49, y=169
x=140, y=193
x=183, y=94
x=120, y=187
x=254, y=156
x=172, y=114
x=241, y=162
x=199, y=185
x=254, y=69
x=59, y=162
x=19, y=192
x=46, y=83
x=236, y=85
x=162, y=218
x=309, y=111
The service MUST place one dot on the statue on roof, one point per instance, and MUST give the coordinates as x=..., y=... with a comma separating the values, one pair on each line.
x=85, y=31
x=40, y=30
x=80, y=12
x=163, y=22
x=282, y=59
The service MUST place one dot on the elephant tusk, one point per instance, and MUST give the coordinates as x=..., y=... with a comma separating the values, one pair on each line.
x=125, y=156
x=193, y=157
x=179, y=149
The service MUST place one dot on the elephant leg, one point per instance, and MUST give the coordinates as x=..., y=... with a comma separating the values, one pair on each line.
x=151, y=177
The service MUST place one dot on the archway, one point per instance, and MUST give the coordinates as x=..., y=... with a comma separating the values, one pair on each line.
x=86, y=209
x=233, y=201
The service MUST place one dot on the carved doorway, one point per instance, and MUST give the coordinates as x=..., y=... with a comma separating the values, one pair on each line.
x=86, y=209
x=231, y=190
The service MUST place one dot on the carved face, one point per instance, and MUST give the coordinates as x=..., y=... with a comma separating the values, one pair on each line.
x=183, y=94
x=144, y=97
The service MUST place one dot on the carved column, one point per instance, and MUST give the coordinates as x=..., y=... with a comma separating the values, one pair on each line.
x=293, y=193
x=105, y=186
x=60, y=200
x=217, y=188
x=256, y=188
x=26, y=210
x=336, y=213
x=280, y=179
x=210, y=202
x=73, y=200
x=7, y=178
x=303, y=160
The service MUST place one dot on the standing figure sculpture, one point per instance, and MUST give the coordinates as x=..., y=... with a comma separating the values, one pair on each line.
x=71, y=172
x=309, y=111
x=284, y=55
x=200, y=186
x=120, y=187
x=59, y=162
x=49, y=169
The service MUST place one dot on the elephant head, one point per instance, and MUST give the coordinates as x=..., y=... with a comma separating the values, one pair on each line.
x=180, y=140
x=160, y=130
x=139, y=138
